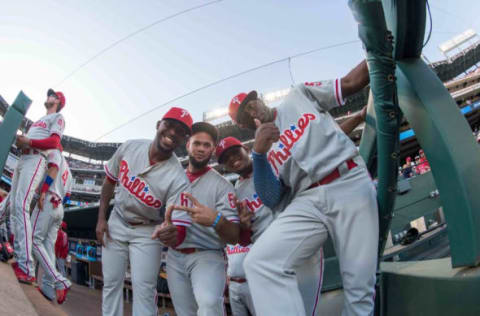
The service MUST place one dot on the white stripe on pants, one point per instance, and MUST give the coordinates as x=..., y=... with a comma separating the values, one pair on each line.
x=197, y=282
x=45, y=225
x=134, y=243
x=27, y=177
x=345, y=208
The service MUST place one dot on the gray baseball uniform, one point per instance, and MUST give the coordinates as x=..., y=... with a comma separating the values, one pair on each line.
x=29, y=172
x=309, y=273
x=142, y=194
x=197, y=280
x=241, y=302
x=45, y=224
x=312, y=146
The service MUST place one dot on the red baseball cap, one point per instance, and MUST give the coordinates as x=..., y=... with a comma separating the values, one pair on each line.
x=224, y=145
x=180, y=115
x=235, y=109
x=59, y=95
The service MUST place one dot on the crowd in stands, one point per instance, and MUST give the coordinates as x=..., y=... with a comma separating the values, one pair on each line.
x=78, y=164
x=417, y=166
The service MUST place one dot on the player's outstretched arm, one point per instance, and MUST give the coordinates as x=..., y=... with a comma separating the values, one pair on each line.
x=355, y=80
x=351, y=123
x=108, y=188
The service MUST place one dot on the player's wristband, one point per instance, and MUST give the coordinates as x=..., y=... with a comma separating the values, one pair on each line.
x=217, y=219
x=46, y=184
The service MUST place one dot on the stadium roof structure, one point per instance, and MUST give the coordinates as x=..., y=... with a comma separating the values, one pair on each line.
x=445, y=69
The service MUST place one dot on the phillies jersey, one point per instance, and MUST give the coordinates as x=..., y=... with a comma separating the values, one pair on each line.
x=311, y=143
x=144, y=190
x=235, y=255
x=62, y=184
x=217, y=193
x=46, y=126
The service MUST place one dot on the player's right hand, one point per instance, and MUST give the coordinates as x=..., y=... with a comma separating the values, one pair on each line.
x=166, y=232
x=102, y=231
x=265, y=135
x=244, y=214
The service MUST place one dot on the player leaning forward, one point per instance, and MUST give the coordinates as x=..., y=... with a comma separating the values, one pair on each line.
x=149, y=177
x=196, y=265
x=43, y=134
x=299, y=145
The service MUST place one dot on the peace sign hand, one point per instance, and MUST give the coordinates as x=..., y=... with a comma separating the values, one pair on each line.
x=199, y=213
x=244, y=214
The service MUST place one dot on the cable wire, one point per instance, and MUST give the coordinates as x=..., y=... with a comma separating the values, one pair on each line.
x=112, y=45
x=431, y=26
x=222, y=80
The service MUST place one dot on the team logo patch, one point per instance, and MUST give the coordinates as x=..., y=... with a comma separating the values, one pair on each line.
x=280, y=153
x=222, y=143
x=184, y=113
x=137, y=187
x=236, y=100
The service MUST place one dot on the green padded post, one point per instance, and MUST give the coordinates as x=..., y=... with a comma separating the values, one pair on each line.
x=378, y=43
x=447, y=140
x=11, y=122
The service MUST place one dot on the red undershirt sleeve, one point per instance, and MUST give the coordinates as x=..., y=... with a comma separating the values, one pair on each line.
x=51, y=142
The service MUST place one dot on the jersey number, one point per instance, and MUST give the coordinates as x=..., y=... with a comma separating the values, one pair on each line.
x=231, y=200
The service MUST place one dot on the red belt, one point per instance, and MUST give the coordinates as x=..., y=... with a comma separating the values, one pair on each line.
x=238, y=280
x=335, y=174
x=187, y=251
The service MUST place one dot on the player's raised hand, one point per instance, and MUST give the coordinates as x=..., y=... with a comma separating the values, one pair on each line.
x=166, y=232
x=265, y=135
x=199, y=213
x=244, y=214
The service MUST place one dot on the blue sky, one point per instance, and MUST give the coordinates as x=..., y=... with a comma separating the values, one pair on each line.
x=42, y=42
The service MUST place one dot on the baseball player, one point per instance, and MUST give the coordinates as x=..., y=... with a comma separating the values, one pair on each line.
x=44, y=134
x=149, y=178
x=241, y=302
x=235, y=158
x=196, y=267
x=46, y=219
x=299, y=146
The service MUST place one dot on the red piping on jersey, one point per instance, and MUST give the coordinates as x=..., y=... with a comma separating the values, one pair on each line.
x=192, y=176
x=52, y=142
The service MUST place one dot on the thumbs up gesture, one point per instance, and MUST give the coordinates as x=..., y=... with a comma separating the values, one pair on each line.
x=265, y=135
x=166, y=232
